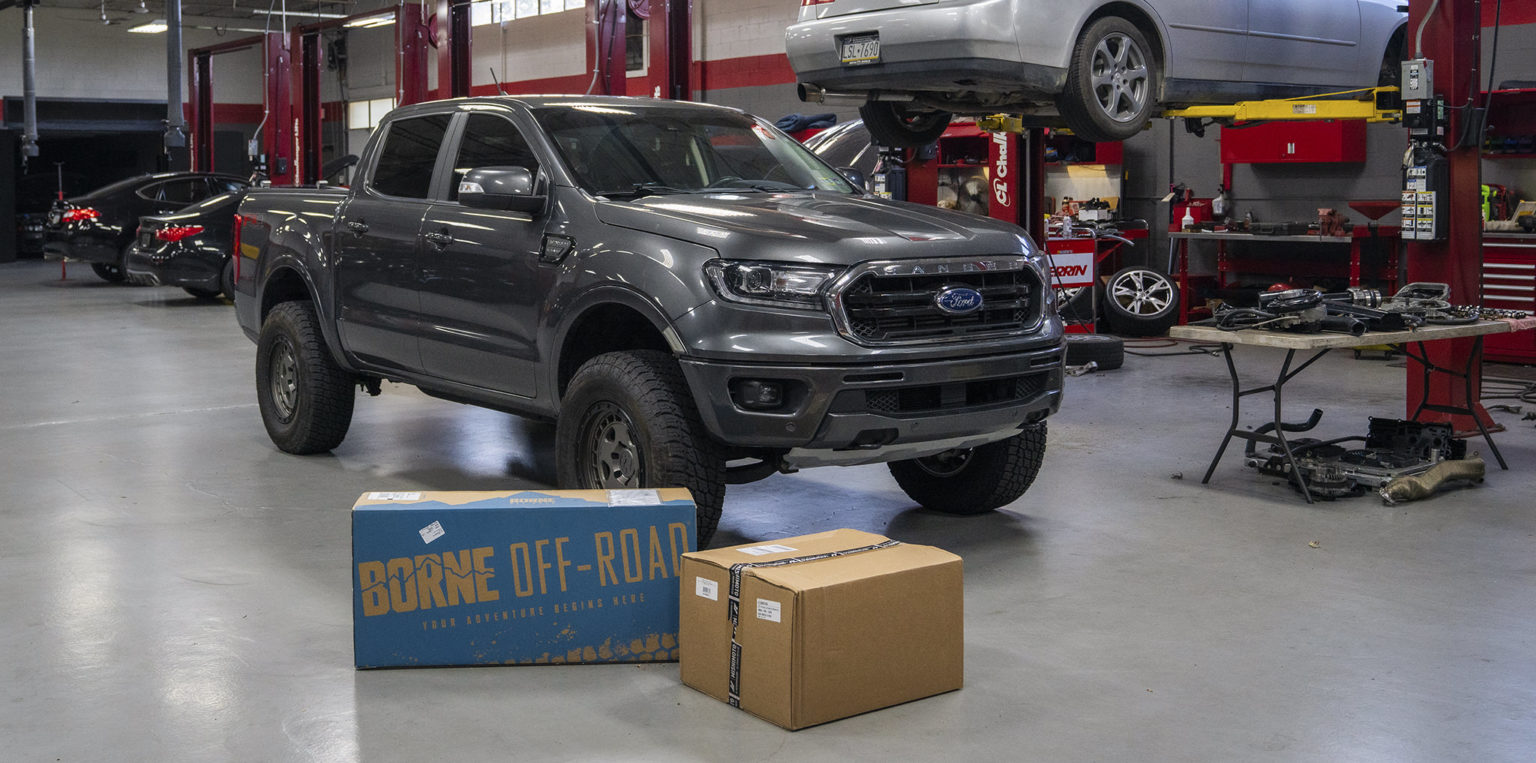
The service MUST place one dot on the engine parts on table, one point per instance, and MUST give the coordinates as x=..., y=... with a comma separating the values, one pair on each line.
x=1356, y=310
x=1393, y=451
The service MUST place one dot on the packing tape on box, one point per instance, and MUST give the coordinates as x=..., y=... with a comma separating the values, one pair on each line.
x=733, y=606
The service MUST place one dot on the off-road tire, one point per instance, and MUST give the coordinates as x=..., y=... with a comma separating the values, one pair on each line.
x=1082, y=104
x=991, y=477
x=1140, y=302
x=109, y=272
x=893, y=125
x=642, y=395
x=315, y=414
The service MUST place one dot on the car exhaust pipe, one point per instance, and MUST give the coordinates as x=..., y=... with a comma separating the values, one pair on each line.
x=814, y=94
x=1424, y=485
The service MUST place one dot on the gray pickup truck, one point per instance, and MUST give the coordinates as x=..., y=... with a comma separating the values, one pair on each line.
x=691, y=295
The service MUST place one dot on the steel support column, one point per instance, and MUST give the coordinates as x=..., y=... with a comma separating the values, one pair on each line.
x=277, y=133
x=412, y=37
x=200, y=63
x=671, y=36
x=453, y=48
x=1452, y=39
x=307, y=63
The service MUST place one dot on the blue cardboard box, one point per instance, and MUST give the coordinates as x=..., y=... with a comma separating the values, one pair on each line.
x=525, y=578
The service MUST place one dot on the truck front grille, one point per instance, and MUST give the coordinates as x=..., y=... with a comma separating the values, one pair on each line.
x=894, y=305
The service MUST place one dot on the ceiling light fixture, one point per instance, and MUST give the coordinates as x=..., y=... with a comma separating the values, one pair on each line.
x=151, y=27
x=370, y=22
x=304, y=14
x=142, y=8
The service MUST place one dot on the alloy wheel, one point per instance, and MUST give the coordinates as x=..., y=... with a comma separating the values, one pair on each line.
x=1120, y=77
x=284, y=378
x=610, y=456
x=1142, y=292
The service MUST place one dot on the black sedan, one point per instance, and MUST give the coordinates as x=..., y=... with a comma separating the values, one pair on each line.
x=190, y=249
x=99, y=227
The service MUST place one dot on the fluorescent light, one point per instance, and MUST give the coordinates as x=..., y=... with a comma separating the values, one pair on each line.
x=152, y=27
x=305, y=14
x=370, y=22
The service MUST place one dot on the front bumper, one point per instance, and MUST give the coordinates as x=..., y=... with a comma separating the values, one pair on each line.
x=882, y=411
x=937, y=47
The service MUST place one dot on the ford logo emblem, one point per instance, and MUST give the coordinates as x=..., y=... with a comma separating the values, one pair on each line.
x=958, y=300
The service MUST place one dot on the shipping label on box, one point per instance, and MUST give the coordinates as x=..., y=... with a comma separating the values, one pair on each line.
x=810, y=629
x=477, y=578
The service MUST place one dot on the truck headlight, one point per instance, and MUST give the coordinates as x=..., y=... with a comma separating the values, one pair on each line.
x=770, y=283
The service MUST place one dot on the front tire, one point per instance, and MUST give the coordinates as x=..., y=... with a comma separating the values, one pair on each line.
x=1111, y=88
x=977, y=480
x=305, y=397
x=893, y=125
x=628, y=421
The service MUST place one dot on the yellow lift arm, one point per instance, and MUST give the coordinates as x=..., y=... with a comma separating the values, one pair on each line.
x=1326, y=106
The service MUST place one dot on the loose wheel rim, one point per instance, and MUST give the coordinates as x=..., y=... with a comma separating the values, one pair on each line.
x=1142, y=293
x=946, y=464
x=1120, y=77
x=283, y=378
x=610, y=457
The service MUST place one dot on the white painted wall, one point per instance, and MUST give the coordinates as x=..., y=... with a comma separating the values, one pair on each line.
x=739, y=28
x=538, y=47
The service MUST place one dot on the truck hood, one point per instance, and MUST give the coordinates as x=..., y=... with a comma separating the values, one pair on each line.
x=819, y=227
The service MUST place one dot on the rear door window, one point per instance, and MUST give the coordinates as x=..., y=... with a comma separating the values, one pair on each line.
x=409, y=154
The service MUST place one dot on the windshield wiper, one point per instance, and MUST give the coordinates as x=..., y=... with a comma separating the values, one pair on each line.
x=640, y=190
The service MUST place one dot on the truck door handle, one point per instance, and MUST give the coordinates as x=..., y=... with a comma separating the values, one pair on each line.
x=358, y=227
x=441, y=239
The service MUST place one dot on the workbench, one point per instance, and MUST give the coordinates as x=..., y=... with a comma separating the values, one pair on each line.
x=1321, y=344
x=1380, y=240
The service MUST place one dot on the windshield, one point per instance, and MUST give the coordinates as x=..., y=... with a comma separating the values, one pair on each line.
x=619, y=151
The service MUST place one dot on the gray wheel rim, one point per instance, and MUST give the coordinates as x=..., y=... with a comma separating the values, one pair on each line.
x=1120, y=77
x=1142, y=292
x=284, y=378
x=946, y=464
x=610, y=456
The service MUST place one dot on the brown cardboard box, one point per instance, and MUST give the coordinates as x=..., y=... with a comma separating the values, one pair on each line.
x=829, y=625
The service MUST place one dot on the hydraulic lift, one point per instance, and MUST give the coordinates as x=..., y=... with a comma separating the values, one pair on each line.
x=276, y=147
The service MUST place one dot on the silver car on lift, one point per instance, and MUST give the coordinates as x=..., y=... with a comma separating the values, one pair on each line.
x=1100, y=67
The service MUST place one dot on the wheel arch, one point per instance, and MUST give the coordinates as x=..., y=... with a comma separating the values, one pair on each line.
x=609, y=319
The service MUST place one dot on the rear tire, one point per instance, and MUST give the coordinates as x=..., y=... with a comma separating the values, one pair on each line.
x=108, y=272
x=627, y=420
x=227, y=280
x=977, y=480
x=892, y=124
x=1111, y=88
x=305, y=397
x=207, y=294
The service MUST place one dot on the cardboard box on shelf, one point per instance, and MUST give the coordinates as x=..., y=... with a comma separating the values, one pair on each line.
x=811, y=629
x=484, y=578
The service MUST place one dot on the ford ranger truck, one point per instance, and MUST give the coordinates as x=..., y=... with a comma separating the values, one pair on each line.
x=693, y=297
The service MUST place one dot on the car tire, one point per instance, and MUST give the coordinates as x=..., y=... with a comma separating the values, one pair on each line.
x=1076, y=304
x=227, y=280
x=1140, y=302
x=109, y=272
x=305, y=397
x=627, y=420
x=894, y=125
x=974, y=480
x=205, y=294
x=1104, y=350
x=1113, y=50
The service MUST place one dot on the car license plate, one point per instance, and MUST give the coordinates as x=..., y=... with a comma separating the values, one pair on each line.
x=863, y=49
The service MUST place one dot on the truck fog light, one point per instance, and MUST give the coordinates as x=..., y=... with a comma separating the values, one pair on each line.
x=759, y=394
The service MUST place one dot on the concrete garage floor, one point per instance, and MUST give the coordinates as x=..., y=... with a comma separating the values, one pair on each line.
x=174, y=588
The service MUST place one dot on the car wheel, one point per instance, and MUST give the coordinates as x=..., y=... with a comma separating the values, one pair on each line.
x=1076, y=304
x=108, y=272
x=974, y=480
x=1140, y=302
x=304, y=396
x=1105, y=351
x=227, y=280
x=208, y=294
x=627, y=420
x=894, y=125
x=1111, y=85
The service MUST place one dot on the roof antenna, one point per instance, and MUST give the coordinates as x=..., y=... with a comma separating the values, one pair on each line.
x=497, y=81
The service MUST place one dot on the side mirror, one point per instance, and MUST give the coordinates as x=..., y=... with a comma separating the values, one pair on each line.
x=856, y=177
x=500, y=188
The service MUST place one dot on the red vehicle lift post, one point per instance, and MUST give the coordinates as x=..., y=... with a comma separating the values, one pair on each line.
x=606, y=23
x=277, y=132
x=1452, y=41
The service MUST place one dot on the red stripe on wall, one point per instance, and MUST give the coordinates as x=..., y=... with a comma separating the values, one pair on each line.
x=1514, y=12
x=747, y=71
x=572, y=84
